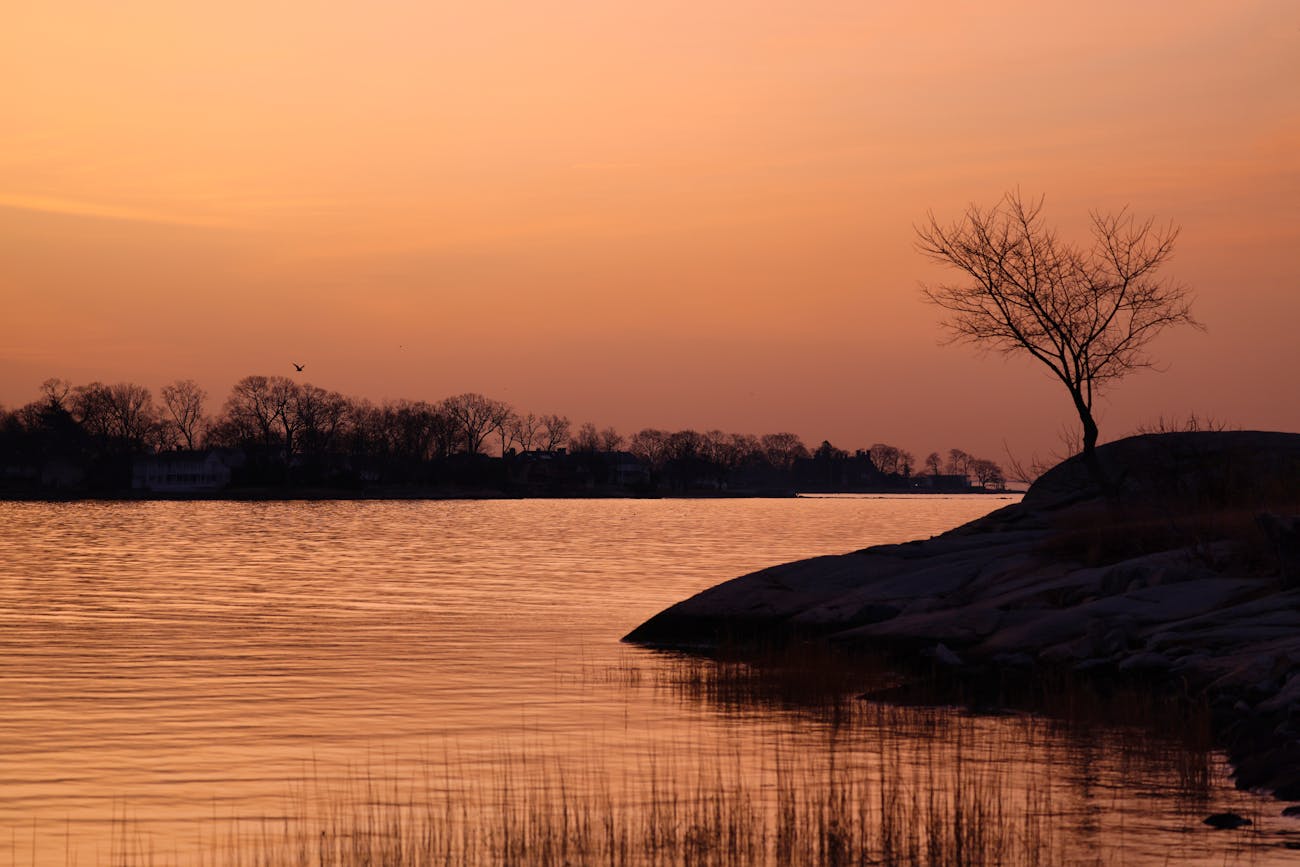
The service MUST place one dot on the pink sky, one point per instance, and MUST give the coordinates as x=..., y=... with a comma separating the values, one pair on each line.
x=671, y=215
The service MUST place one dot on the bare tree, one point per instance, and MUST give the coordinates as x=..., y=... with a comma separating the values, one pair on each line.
x=587, y=439
x=320, y=417
x=959, y=463
x=611, y=440
x=410, y=429
x=988, y=474
x=131, y=410
x=684, y=445
x=89, y=405
x=720, y=448
x=783, y=449
x=505, y=427
x=121, y=413
x=251, y=411
x=745, y=448
x=527, y=430
x=1087, y=314
x=650, y=445
x=555, y=431
x=287, y=398
x=184, y=402
x=886, y=458
x=932, y=463
x=476, y=416
x=446, y=432
x=56, y=391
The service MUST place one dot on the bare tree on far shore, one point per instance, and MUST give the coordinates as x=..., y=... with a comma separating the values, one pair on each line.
x=122, y=412
x=783, y=449
x=611, y=440
x=506, y=428
x=526, y=429
x=885, y=457
x=586, y=440
x=184, y=402
x=476, y=416
x=650, y=445
x=56, y=391
x=1086, y=314
x=555, y=431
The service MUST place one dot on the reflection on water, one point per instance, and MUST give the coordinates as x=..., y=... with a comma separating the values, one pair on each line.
x=173, y=673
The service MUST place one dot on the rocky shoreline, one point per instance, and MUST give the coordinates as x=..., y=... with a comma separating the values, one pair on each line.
x=1185, y=576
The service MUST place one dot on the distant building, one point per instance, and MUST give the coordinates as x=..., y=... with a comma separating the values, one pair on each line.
x=942, y=482
x=184, y=472
x=561, y=470
x=627, y=469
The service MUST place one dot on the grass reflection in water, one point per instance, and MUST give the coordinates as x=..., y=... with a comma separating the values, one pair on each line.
x=866, y=783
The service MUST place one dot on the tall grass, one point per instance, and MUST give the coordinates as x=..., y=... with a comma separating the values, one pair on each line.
x=836, y=781
x=943, y=801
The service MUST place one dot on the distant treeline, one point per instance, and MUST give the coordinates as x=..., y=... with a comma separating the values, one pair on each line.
x=274, y=433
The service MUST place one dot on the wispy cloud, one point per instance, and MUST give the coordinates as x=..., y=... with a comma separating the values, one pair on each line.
x=102, y=210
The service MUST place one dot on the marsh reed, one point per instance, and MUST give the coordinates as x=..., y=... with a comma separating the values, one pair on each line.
x=894, y=786
x=843, y=781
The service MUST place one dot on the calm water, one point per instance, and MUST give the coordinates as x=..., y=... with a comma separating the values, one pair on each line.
x=170, y=669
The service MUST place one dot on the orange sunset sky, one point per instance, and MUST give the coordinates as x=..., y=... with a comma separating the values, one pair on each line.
x=670, y=214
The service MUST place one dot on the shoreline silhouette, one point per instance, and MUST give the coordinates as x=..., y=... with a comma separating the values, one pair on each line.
x=275, y=438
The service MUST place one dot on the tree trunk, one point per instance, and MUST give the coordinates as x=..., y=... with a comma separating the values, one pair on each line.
x=1089, y=453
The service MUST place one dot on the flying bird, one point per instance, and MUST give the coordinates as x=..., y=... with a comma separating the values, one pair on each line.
x=298, y=367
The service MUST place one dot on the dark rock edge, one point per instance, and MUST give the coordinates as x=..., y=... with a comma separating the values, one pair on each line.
x=1002, y=598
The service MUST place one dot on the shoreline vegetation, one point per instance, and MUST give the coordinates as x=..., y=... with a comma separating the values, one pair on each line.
x=941, y=800
x=276, y=438
x=882, y=783
x=1183, y=583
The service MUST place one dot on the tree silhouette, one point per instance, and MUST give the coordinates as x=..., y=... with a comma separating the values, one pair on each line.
x=1087, y=314
x=586, y=440
x=184, y=402
x=783, y=449
x=611, y=440
x=886, y=458
x=555, y=431
x=526, y=429
x=650, y=445
x=476, y=416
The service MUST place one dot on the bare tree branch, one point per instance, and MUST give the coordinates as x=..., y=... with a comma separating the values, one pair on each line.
x=1085, y=314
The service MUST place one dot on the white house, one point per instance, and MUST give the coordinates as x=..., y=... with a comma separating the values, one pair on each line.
x=181, y=472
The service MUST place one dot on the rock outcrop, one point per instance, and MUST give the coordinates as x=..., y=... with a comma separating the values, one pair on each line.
x=1186, y=573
